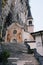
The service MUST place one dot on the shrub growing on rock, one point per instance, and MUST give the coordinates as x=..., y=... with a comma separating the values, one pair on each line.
x=4, y=57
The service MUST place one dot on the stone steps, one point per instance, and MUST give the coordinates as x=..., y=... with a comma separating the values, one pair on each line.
x=16, y=47
x=18, y=57
x=27, y=59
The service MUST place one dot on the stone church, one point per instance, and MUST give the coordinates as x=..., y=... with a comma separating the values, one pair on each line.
x=19, y=22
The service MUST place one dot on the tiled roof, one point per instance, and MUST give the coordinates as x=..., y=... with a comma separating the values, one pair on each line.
x=37, y=32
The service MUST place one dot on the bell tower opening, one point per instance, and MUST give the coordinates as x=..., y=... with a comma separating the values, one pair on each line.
x=30, y=22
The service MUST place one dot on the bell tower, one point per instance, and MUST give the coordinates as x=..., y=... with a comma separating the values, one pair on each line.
x=29, y=21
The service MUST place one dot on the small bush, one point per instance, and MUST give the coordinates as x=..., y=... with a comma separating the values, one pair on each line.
x=4, y=57
x=1, y=39
x=30, y=51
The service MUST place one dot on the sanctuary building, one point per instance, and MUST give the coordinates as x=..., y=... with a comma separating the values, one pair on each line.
x=19, y=22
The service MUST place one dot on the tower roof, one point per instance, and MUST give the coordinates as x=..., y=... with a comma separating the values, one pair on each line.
x=29, y=16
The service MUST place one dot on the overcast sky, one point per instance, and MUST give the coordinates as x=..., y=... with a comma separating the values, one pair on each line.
x=37, y=13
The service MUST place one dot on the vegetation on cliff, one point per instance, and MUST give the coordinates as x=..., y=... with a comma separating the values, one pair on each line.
x=4, y=3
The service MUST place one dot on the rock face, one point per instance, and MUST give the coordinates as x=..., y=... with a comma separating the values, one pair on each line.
x=0, y=7
x=16, y=11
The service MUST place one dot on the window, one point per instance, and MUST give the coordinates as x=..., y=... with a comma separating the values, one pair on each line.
x=15, y=31
x=30, y=22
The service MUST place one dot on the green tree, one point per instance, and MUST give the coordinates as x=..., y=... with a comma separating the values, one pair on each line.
x=4, y=3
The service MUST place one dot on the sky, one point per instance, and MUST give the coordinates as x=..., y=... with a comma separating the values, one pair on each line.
x=37, y=13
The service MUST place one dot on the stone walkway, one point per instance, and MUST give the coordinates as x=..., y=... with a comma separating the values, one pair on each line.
x=19, y=55
x=23, y=59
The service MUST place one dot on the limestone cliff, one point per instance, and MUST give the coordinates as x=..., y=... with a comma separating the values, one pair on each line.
x=15, y=11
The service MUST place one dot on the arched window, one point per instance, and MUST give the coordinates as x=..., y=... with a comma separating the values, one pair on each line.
x=30, y=22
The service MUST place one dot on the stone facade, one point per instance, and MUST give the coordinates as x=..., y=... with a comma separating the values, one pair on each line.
x=15, y=32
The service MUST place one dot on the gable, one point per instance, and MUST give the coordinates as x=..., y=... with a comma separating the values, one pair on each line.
x=14, y=26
